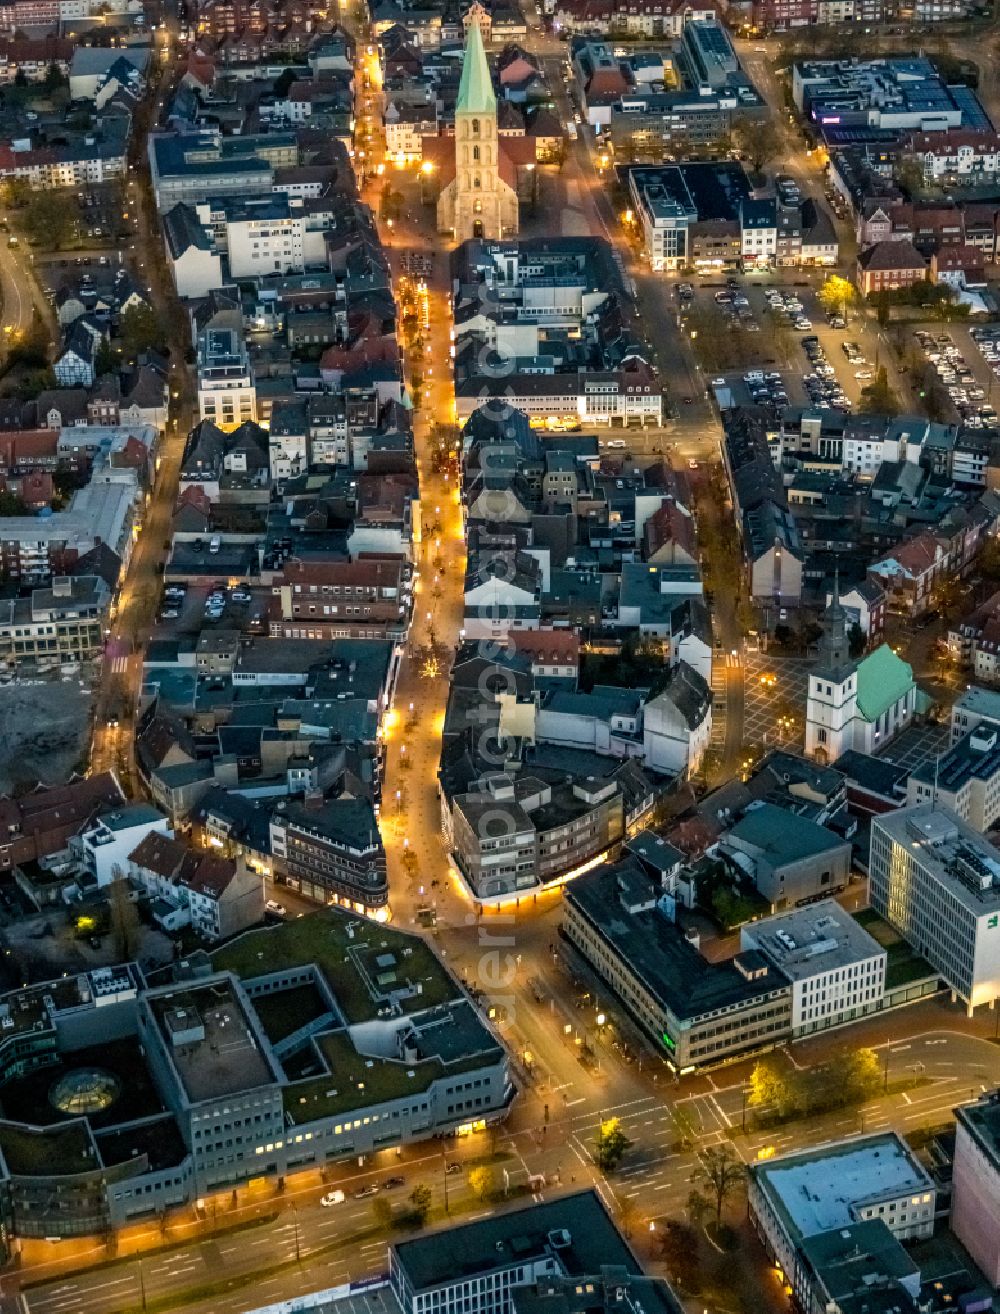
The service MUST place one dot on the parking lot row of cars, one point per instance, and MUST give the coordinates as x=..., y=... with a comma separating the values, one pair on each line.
x=966, y=393
x=734, y=302
x=765, y=389
x=820, y=384
x=175, y=596
x=788, y=305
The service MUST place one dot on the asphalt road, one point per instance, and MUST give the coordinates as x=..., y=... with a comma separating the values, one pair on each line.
x=20, y=295
x=340, y=1243
x=116, y=698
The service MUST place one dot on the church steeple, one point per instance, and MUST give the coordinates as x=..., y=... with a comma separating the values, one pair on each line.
x=834, y=648
x=475, y=91
x=482, y=200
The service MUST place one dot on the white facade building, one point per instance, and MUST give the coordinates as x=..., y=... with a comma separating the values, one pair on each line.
x=226, y=391
x=105, y=846
x=937, y=881
x=793, y=1198
x=836, y=968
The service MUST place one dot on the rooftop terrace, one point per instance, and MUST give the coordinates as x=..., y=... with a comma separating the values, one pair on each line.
x=210, y=1041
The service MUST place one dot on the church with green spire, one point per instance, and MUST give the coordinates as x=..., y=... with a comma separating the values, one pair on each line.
x=480, y=200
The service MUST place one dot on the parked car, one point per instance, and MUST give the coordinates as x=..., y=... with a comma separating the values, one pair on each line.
x=275, y=909
x=332, y=1198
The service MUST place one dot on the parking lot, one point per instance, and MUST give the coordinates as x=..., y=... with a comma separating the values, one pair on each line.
x=965, y=372
x=797, y=338
x=187, y=610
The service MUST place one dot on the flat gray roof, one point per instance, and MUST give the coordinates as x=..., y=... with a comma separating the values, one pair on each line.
x=592, y=1242
x=818, y=938
x=952, y=852
x=821, y=1189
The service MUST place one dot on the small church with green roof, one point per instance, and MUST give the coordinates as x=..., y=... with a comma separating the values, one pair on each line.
x=855, y=704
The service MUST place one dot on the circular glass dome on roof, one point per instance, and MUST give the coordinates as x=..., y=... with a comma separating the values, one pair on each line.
x=85, y=1090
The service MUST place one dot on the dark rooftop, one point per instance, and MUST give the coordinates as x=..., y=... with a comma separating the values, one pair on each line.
x=575, y=1229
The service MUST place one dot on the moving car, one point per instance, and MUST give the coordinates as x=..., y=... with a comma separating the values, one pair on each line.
x=332, y=1198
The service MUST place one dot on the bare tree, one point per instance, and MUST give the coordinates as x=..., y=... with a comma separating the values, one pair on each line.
x=125, y=929
x=721, y=1171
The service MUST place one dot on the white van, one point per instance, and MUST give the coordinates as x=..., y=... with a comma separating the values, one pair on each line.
x=215, y=542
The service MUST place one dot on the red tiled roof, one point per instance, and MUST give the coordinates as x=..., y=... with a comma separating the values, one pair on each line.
x=548, y=646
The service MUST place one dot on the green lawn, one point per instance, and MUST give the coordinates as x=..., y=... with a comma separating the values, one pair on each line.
x=353, y=1084
x=348, y=963
x=902, y=965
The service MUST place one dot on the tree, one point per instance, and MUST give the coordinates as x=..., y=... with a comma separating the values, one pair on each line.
x=54, y=77
x=759, y=142
x=861, y=1073
x=684, y=1126
x=105, y=359
x=909, y=174
x=679, y=1252
x=768, y=1089
x=837, y=295
x=878, y=398
x=124, y=916
x=722, y=1172
x=16, y=192
x=49, y=218
x=390, y=203
x=988, y=560
x=420, y=1203
x=610, y=1145
x=697, y=1206
x=483, y=1182
x=140, y=330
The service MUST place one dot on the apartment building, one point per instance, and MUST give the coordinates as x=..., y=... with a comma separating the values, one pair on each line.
x=975, y=1183
x=883, y=1197
x=517, y=833
x=965, y=779
x=937, y=881
x=217, y=897
x=61, y=623
x=198, y=166
x=549, y=1251
x=341, y=599
x=227, y=393
x=331, y=851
